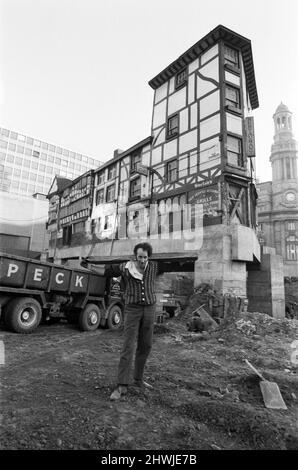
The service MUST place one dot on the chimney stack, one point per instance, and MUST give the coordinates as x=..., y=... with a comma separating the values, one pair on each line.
x=117, y=152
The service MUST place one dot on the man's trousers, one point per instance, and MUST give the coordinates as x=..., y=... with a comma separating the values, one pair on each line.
x=138, y=334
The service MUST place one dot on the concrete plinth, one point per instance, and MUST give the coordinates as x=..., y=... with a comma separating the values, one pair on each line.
x=215, y=264
x=265, y=287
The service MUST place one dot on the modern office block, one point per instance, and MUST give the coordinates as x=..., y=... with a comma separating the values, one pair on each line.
x=29, y=165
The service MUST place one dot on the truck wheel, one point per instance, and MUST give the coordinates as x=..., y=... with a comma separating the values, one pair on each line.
x=23, y=314
x=115, y=318
x=89, y=318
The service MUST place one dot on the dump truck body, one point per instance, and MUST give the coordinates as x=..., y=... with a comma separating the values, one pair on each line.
x=31, y=290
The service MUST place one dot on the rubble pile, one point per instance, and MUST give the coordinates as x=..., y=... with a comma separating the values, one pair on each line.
x=222, y=308
x=291, y=297
x=246, y=326
x=208, y=310
x=201, y=321
x=261, y=324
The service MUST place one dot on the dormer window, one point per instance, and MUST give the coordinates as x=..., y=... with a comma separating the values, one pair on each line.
x=181, y=79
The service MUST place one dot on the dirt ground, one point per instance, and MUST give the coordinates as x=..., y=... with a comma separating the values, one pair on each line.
x=56, y=383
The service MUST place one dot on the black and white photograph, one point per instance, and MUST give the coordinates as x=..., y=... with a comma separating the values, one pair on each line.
x=148, y=230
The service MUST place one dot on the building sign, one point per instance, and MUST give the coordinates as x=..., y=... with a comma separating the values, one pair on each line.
x=201, y=184
x=250, y=137
x=208, y=197
x=76, y=191
x=142, y=169
x=83, y=214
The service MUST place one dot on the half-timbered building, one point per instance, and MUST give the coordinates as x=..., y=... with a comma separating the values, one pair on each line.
x=194, y=171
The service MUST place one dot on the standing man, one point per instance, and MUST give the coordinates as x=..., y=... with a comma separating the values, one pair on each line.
x=139, y=278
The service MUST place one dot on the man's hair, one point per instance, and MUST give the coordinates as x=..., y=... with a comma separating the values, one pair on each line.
x=144, y=246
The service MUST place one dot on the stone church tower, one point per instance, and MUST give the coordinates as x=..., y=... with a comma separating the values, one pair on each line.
x=278, y=199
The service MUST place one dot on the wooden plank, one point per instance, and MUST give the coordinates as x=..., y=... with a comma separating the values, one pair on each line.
x=237, y=203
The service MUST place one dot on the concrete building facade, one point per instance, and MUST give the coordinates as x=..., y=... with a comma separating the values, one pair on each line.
x=278, y=199
x=23, y=225
x=29, y=165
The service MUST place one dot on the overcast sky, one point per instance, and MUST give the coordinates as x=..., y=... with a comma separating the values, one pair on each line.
x=75, y=72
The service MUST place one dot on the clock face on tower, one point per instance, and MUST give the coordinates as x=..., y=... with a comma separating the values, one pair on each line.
x=290, y=197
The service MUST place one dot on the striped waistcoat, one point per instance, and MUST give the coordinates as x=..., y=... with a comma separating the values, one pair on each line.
x=137, y=291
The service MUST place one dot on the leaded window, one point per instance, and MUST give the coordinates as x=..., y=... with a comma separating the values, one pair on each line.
x=233, y=97
x=231, y=56
x=171, y=171
x=173, y=126
x=135, y=187
x=234, y=151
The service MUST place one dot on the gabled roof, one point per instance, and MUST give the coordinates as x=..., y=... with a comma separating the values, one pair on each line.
x=58, y=185
x=230, y=37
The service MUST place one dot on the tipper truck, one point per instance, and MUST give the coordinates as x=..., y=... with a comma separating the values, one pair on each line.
x=32, y=291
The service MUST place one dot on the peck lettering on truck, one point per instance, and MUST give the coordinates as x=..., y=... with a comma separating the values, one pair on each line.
x=38, y=275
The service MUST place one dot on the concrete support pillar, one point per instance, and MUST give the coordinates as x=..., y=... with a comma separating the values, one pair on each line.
x=215, y=265
x=265, y=287
x=227, y=277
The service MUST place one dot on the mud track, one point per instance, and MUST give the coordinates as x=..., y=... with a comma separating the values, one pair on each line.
x=56, y=383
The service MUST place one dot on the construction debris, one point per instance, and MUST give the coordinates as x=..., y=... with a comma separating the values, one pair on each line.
x=246, y=326
x=208, y=308
x=201, y=321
